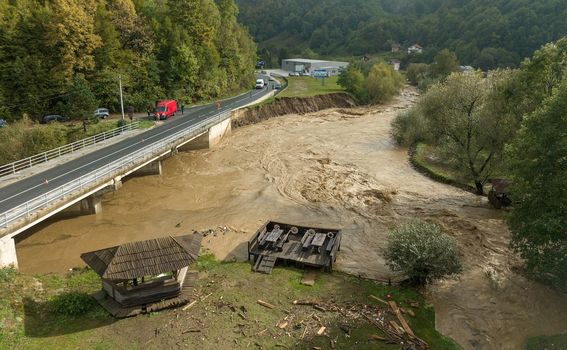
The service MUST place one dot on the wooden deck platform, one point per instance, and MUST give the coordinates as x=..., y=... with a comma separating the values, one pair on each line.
x=117, y=310
x=293, y=244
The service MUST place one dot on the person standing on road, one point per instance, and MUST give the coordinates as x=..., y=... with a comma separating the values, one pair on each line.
x=131, y=113
x=218, y=106
x=182, y=108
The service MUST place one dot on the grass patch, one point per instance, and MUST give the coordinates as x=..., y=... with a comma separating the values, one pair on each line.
x=424, y=160
x=146, y=124
x=226, y=315
x=426, y=157
x=308, y=86
x=550, y=343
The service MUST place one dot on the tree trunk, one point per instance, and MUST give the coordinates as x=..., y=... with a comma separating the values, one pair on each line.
x=479, y=187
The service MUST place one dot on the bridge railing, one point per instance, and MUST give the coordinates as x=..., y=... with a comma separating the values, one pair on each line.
x=29, y=162
x=107, y=172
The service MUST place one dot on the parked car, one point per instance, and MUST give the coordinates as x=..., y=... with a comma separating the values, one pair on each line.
x=101, y=113
x=304, y=74
x=52, y=118
x=3, y=123
x=259, y=84
x=165, y=109
x=294, y=74
x=277, y=86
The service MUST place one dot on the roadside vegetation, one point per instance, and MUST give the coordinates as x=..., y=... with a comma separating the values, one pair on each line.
x=50, y=311
x=26, y=138
x=66, y=57
x=510, y=124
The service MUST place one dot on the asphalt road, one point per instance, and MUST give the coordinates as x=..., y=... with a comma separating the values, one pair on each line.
x=34, y=186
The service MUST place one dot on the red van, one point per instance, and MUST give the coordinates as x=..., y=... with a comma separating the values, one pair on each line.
x=165, y=109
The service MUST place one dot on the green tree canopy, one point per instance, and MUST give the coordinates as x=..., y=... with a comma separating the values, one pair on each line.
x=465, y=126
x=66, y=55
x=538, y=165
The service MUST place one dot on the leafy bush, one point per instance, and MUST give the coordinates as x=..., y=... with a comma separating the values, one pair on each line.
x=72, y=303
x=416, y=72
x=7, y=273
x=23, y=139
x=408, y=127
x=383, y=83
x=422, y=251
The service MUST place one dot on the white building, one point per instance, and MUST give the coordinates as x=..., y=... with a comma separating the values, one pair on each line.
x=301, y=65
x=415, y=48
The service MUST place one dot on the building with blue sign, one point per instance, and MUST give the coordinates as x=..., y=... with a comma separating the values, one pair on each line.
x=300, y=65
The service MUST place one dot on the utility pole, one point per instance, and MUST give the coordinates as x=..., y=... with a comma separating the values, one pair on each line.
x=121, y=99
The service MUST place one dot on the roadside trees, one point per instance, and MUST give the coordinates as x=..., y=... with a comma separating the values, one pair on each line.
x=538, y=165
x=468, y=120
x=422, y=251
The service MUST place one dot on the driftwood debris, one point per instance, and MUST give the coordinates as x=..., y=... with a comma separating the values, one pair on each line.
x=377, y=337
x=189, y=305
x=378, y=299
x=321, y=330
x=266, y=304
x=408, y=312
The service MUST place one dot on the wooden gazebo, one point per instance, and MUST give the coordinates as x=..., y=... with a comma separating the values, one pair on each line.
x=147, y=275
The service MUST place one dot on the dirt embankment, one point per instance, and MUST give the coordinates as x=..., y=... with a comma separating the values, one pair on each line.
x=291, y=105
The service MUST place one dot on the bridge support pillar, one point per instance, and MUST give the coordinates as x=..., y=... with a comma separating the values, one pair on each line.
x=209, y=139
x=91, y=205
x=8, y=252
x=217, y=132
x=117, y=183
x=153, y=168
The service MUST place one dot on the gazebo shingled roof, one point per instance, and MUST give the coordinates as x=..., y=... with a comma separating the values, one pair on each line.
x=144, y=258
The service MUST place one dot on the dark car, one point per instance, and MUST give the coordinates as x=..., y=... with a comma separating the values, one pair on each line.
x=52, y=118
x=3, y=123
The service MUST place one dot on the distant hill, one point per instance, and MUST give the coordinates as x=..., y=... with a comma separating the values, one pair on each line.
x=483, y=33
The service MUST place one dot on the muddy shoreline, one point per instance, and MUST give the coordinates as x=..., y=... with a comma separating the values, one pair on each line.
x=336, y=167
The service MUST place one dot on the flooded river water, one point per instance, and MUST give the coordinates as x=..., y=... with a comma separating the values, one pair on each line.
x=333, y=168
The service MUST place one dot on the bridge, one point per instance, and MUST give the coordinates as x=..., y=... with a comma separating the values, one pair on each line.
x=85, y=179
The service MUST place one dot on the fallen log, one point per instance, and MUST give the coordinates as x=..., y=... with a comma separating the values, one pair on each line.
x=378, y=299
x=319, y=307
x=190, y=305
x=321, y=330
x=266, y=304
x=377, y=337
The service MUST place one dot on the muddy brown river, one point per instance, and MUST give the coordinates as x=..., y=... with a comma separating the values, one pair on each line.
x=333, y=168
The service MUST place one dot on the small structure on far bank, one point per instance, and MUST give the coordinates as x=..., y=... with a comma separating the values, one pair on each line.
x=145, y=276
x=293, y=244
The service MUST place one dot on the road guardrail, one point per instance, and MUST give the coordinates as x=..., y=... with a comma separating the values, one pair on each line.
x=29, y=162
x=107, y=172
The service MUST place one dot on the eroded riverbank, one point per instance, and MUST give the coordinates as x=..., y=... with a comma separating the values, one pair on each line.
x=332, y=168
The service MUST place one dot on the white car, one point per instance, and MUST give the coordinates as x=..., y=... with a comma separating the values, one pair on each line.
x=101, y=113
x=260, y=84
